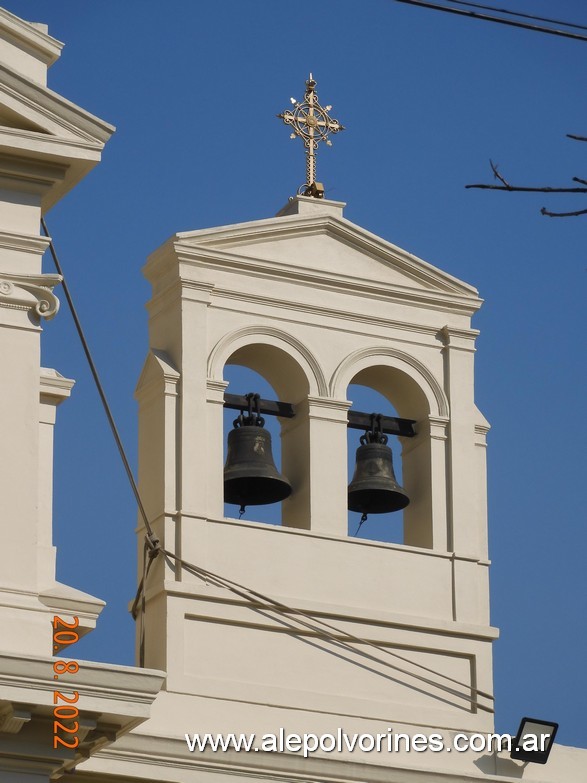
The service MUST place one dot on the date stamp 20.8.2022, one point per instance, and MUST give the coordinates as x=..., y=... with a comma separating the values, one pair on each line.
x=65, y=713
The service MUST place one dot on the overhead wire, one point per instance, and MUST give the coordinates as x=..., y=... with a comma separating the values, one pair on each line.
x=517, y=13
x=497, y=19
x=100, y=388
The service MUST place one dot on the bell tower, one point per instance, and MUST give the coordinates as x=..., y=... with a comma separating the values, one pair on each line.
x=390, y=635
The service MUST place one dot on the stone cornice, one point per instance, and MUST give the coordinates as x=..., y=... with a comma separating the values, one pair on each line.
x=30, y=292
x=347, y=232
x=329, y=403
x=24, y=243
x=29, y=175
x=215, y=391
x=51, y=111
x=102, y=680
x=281, y=530
x=326, y=409
x=54, y=131
x=156, y=758
x=331, y=612
x=295, y=225
x=113, y=700
x=44, y=46
x=459, y=339
x=346, y=315
x=175, y=289
x=433, y=299
x=46, y=145
x=54, y=386
x=207, y=245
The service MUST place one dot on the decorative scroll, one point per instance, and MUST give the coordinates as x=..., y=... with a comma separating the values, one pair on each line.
x=30, y=292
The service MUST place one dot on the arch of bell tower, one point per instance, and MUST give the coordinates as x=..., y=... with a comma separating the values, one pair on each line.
x=289, y=365
x=277, y=360
x=416, y=394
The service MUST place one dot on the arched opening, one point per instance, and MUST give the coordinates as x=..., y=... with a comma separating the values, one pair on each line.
x=275, y=375
x=387, y=389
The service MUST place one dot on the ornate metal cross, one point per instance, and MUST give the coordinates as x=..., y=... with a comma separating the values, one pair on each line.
x=312, y=124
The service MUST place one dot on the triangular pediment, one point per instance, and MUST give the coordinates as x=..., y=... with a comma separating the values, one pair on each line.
x=32, y=108
x=328, y=246
x=55, y=142
x=11, y=119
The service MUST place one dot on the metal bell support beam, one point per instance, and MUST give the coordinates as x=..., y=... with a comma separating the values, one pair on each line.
x=357, y=420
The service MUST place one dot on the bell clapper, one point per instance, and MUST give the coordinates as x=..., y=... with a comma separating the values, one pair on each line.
x=363, y=519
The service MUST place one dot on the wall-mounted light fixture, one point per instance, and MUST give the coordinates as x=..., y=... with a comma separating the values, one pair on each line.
x=534, y=740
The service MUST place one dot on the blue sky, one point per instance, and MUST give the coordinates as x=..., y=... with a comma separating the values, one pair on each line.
x=427, y=99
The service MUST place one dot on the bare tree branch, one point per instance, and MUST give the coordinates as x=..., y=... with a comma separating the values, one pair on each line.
x=520, y=189
x=544, y=211
x=497, y=175
x=505, y=185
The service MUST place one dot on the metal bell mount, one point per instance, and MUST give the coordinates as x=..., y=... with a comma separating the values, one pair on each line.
x=250, y=475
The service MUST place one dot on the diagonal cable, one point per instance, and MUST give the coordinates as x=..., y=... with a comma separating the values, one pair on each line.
x=100, y=388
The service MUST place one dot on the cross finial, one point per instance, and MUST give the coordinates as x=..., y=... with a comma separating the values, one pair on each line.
x=312, y=124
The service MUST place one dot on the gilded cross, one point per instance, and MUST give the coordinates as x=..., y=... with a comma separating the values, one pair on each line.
x=311, y=122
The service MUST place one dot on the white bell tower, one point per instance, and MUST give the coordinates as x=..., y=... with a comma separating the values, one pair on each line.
x=313, y=303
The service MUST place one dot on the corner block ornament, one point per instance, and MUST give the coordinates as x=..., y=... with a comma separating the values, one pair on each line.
x=312, y=124
x=30, y=292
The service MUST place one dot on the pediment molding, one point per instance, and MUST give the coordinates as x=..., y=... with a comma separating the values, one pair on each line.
x=351, y=316
x=233, y=247
x=29, y=37
x=46, y=129
x=432, y=298
x=53, y=114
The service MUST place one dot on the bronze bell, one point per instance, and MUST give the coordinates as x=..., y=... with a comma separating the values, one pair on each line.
x=374, y=488
x=250, y=475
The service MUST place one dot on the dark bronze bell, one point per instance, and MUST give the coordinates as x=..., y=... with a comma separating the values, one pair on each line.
x=374, y=488
x=250, y=475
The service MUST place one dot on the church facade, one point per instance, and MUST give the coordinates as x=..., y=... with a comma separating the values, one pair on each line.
x=291, y=630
